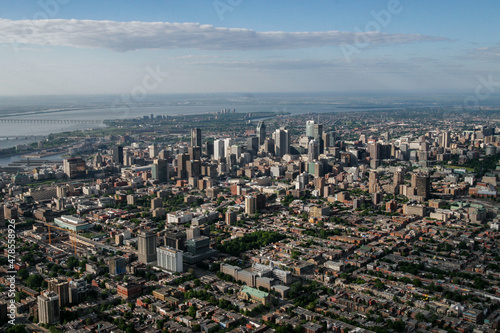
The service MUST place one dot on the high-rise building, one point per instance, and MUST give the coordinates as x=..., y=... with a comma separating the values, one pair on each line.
x=48, y=308
x=117, y=265
x=261, y=132
x=198, y=249
x=181, y=166
x=61, y=288
x=159, y=170
x=209, y=148
x=193, y=168
x=195, y=137
x=253, y=145
x=250, y=205
x=373, y=186
x=74, y=167
x=77, y=291
x=147, y=247
x=153, y=150
x=309, y=128
x=313, y=150
x=219, y=149
x=231, y=217
x=422, y=184
x=282, y=142
x=194, y=153
x=445, y=139
x=170, y=259
x=117, y=154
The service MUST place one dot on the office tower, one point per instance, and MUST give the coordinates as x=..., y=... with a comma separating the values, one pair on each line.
x=193, y=168
x=250, y=205
x=194, y=153
x=385, y=152
x=156, y=203
x=153, y=150
x=445, y=139
x=327, y=141
x=260, y=202
x=48, y=308
x=117, y=265
x=373, y=182
x=147, y=247
x=261, y=132
x=374, y=151
x=209, y=148
x=281, y=142
x=231, y=217
x=269, y=146
x=77, y=291
x=170, y=259
x=422, y=185
x=117, y=154
x=159, y=170
x=195, y=137
x=61, y=288
x=74, y=167
x=313, y=150
x=198, y=249
x=181, y=166
x=253, y=145
x=219, y=149
x=309, y=128
x=175, y=240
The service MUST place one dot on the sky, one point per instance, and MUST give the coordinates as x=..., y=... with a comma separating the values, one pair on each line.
x=60, y=47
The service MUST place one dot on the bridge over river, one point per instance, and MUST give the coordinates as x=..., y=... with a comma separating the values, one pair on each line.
x=51, y=121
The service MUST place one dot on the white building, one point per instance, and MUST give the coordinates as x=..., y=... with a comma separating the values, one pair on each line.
x=169, y=259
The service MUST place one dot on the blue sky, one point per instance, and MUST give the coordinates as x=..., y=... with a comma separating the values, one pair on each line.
x=101, y=47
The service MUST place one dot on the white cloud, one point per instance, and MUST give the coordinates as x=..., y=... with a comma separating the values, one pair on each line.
x=126, y=36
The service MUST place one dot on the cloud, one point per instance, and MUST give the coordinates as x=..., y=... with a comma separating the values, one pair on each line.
x=491, y=53
x=126, y=36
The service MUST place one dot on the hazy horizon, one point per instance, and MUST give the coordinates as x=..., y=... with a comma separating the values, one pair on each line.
x=170, y=47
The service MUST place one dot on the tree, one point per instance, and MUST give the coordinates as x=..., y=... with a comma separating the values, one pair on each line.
x=192, y=311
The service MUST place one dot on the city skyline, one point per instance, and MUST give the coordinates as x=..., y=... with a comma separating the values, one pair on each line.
x=238, y=46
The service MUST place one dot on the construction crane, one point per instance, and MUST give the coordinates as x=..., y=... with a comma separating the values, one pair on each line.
x=72, y=239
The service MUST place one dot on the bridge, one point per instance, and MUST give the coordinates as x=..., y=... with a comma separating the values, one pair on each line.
x=22, y=137
x=51, y=121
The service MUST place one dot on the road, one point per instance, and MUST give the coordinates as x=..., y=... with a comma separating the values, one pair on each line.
x=30, y=327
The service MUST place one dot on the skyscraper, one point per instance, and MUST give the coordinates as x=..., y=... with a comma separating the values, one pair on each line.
x=117, y=154
x=219, y=149
x=309, y=128
x=313, y=150
x=153, y=150
x=422, y=184
x=74, y=167
x=253, y=145
x=373, y=186
x=159, y=170
x=261, y=132
x=195, y=137
x=147, y=247
x=170, y=259
x=61, y=288
x=282, y=142
x=48, y=308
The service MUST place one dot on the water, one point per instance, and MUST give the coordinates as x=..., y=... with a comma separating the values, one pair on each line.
x=113, y=107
